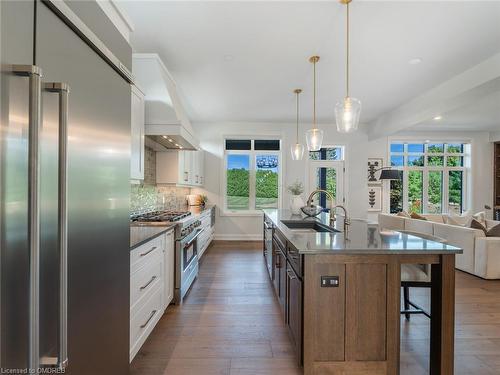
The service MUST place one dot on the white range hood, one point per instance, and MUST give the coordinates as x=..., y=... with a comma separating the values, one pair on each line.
x=166, y=122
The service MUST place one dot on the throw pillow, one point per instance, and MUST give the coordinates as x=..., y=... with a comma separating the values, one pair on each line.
x=494, y=232
x=403, y=214
x=451, y=221
x=474, y=224
x=414, y=215
x=480, y=216
x=462, y=220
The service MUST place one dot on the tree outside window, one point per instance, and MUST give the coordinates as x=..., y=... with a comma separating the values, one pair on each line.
x=433, y=177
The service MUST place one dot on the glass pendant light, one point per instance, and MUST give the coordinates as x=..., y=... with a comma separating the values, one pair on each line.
x=297, y=149
x=348, y=110
x=314, y=136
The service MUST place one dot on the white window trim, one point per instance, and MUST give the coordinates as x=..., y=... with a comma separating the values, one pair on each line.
x=340, y=164
x=467, y=155
x=249, y=213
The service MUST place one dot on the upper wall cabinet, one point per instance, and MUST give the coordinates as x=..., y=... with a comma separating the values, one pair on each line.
x=137, y=135
x=184, y=168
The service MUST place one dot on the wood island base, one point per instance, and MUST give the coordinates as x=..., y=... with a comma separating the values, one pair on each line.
x=353, y=328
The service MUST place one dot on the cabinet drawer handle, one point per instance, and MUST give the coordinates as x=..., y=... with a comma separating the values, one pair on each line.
x=147, y=252
x=148, y=283
x=149, y=319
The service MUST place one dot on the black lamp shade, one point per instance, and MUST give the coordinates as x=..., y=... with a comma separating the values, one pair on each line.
x=390, y=174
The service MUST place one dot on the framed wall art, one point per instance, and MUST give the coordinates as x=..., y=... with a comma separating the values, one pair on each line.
x=373, y=172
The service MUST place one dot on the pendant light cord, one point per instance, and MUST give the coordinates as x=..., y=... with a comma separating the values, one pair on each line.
x=347, y=52
x=314, y=96
x=297, y=134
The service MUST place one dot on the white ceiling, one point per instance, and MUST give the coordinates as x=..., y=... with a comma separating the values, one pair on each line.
x=241, y=60
x=481, y=115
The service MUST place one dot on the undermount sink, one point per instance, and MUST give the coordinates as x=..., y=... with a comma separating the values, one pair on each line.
x=308, y=226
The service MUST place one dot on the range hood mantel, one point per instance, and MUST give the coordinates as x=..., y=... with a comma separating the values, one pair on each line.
x=166, y=121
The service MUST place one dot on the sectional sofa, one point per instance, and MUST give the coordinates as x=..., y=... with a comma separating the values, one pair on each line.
x=481, y=256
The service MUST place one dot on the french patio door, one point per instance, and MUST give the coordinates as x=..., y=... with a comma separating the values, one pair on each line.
x=327, y=175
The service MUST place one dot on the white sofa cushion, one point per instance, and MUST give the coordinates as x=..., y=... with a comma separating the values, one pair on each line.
x=419, y=226
x=463, y=238
x=392, y=222
x=487, y=257
x=436, y=218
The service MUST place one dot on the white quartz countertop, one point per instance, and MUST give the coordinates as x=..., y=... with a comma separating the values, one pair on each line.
x=363, y=238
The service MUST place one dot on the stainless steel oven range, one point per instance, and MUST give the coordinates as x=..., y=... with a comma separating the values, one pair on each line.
x=187, y=230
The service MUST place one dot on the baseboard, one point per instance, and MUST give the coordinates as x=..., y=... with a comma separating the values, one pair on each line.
x=238, y=237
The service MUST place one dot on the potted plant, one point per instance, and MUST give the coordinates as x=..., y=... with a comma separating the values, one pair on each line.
x=203, y=200
x=296, y=189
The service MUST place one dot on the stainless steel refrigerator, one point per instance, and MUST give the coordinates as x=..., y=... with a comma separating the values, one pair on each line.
x=64, y=189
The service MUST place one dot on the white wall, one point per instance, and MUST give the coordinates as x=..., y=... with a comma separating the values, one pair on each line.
x=495, y=136
x=358, y=149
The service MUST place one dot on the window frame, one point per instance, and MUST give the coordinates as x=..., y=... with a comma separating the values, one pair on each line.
x=445, y=169
x=339, y=164
x=252, y=175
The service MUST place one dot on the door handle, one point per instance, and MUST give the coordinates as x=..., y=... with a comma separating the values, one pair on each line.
x=62, y=89
x=34, y=75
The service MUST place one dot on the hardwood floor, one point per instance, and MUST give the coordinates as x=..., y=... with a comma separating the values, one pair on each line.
x=230, y=324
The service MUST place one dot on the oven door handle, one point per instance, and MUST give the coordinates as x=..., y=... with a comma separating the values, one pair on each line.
x=198, y=232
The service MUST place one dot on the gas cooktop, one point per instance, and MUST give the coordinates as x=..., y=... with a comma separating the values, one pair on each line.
x=160, y=216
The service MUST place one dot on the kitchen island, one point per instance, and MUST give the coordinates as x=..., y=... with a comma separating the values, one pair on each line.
x=340, y=292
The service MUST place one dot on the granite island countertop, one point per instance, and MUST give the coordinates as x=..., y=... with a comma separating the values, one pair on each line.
x=363, y=238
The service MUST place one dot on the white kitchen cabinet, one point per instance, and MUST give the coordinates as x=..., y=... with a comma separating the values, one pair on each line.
x=198, y=168
x=185, y=168
x=151, y=286
x=169, y=264
x=208, y=231
x=137, y=134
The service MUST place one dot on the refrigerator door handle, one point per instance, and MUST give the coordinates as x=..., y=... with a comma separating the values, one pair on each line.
x=63, y=90
x=34, y=74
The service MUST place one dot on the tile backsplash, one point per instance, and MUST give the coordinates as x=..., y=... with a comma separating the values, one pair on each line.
x=146, y=197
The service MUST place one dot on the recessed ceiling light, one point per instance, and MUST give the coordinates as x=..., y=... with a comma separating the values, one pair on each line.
x=437, y=118
x=180, y=147
x=228, y=57
x=170, y=140
x=164, y=136
x=415, y=61
x=176, y=145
